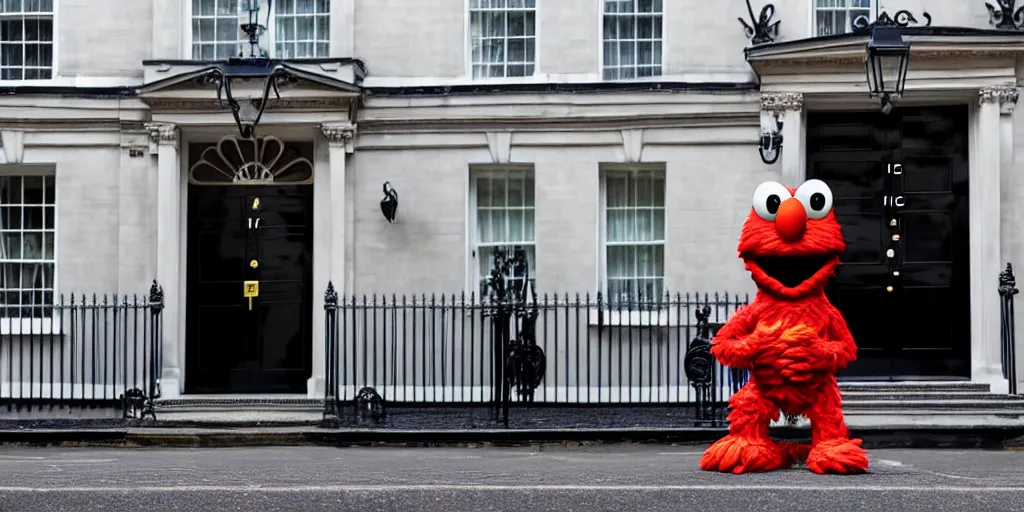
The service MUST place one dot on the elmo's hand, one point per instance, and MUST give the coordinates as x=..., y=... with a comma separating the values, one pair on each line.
x=799, y=354
x=741, y=352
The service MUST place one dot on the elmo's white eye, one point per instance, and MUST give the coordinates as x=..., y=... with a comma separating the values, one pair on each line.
x=816, y=198
x=767, y=198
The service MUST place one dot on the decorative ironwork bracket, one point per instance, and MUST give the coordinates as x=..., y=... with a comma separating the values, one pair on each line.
x=1007, y=16
x=247, y=113
x=761, y=29
x=902, y=19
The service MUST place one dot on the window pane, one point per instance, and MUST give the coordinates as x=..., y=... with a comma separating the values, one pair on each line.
x=632, y=35
x=504, y=214
x=27, y=240
x=502, y=35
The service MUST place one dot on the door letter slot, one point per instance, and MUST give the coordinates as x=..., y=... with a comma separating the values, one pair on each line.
x=252, y=289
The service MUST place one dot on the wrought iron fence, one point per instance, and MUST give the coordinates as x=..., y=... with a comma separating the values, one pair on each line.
x=555, y=350
x=84, y=351
x=1008, y=330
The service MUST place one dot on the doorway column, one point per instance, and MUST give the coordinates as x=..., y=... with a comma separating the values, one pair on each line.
x=986, y=177
x=164, y=136
x=341, y=143
x=788, y=107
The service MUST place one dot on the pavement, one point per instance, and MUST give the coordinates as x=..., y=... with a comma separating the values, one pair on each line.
x=535, y=478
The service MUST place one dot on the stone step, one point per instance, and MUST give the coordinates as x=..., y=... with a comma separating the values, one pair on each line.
x=208, y=409
x=935, y=405
x=912, y=386
x=926, y=395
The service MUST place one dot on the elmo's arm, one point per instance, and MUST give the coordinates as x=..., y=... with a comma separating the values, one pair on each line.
x=840, y=348
x=733, y=345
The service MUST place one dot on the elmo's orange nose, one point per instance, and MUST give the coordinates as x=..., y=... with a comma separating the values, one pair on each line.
x=791, y=220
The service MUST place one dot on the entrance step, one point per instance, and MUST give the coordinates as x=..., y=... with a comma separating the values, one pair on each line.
x=227, y=409
x=928, y=404
x=907, y=387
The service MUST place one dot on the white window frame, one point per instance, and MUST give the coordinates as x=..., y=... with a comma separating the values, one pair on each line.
x=468, y=20
x=812, y=22
x=473, y=275
x=612, y=315
x=55, y=48
x=42, y=325
x=601, y=41
x=268, y=41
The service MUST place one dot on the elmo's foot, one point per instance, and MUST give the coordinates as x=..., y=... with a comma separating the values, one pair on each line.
x=839, y=456
x=735, y=454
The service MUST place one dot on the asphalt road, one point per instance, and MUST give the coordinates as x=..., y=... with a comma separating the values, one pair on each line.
x=630, y=478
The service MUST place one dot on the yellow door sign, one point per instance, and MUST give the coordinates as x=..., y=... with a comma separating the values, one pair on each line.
x=252, y=289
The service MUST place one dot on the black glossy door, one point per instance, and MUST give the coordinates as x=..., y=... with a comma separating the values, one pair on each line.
x=900, y=183
x=249, y=233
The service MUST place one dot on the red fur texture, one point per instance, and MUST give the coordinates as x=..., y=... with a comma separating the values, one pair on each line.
x=792, y=340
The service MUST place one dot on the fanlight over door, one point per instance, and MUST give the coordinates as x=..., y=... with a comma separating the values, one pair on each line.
x=252, y=161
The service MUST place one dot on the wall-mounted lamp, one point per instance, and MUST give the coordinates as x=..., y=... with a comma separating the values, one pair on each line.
x=770, y=147
x=888, y=54
x=389, y=205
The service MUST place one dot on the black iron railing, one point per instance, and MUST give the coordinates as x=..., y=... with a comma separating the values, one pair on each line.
x=84, y=351
x=1007, y=331
x=565, y=350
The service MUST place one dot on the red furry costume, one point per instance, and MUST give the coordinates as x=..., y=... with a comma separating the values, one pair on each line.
x=790, y=337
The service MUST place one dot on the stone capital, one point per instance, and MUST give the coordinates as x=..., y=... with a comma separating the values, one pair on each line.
x=340, y=134
x=1006, y=95
x=782, y=101
x=162, y=134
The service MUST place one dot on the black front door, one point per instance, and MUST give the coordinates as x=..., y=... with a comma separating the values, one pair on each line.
x=900, y=187
x=238, y=235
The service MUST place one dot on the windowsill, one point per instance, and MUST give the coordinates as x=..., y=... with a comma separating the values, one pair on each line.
x=76, y=81
x=30, y=326
x=665, y=317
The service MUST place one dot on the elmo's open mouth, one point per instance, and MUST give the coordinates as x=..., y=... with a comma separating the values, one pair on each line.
x=791, y=271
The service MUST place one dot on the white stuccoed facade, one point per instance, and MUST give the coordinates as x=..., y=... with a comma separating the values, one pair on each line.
x=120, y=158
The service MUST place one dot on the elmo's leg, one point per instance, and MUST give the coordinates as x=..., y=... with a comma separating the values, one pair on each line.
x=832, y=450
x=747, y=448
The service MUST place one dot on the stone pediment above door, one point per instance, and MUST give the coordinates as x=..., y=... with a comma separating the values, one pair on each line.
x=178, y=86
x=944, y=61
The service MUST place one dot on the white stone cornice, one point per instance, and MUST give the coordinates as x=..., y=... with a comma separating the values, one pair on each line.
x=782, y=101
x=339, y=134
x=161, y=134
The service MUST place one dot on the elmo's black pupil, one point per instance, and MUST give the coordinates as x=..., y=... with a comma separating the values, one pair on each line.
x=773, y=203
x=817, y=201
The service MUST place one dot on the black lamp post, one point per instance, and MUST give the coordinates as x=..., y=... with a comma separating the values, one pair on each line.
x=888, y=56
x=248, y=111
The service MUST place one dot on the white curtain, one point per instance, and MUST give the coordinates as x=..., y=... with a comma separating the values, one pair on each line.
x=505, y=217
x=6, y=277
x=503, y=37
x=635, y=233
x=302, y=28
x=837, y=16
x=632, y=38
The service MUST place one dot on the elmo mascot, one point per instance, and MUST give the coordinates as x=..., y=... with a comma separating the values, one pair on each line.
x=790, y=338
